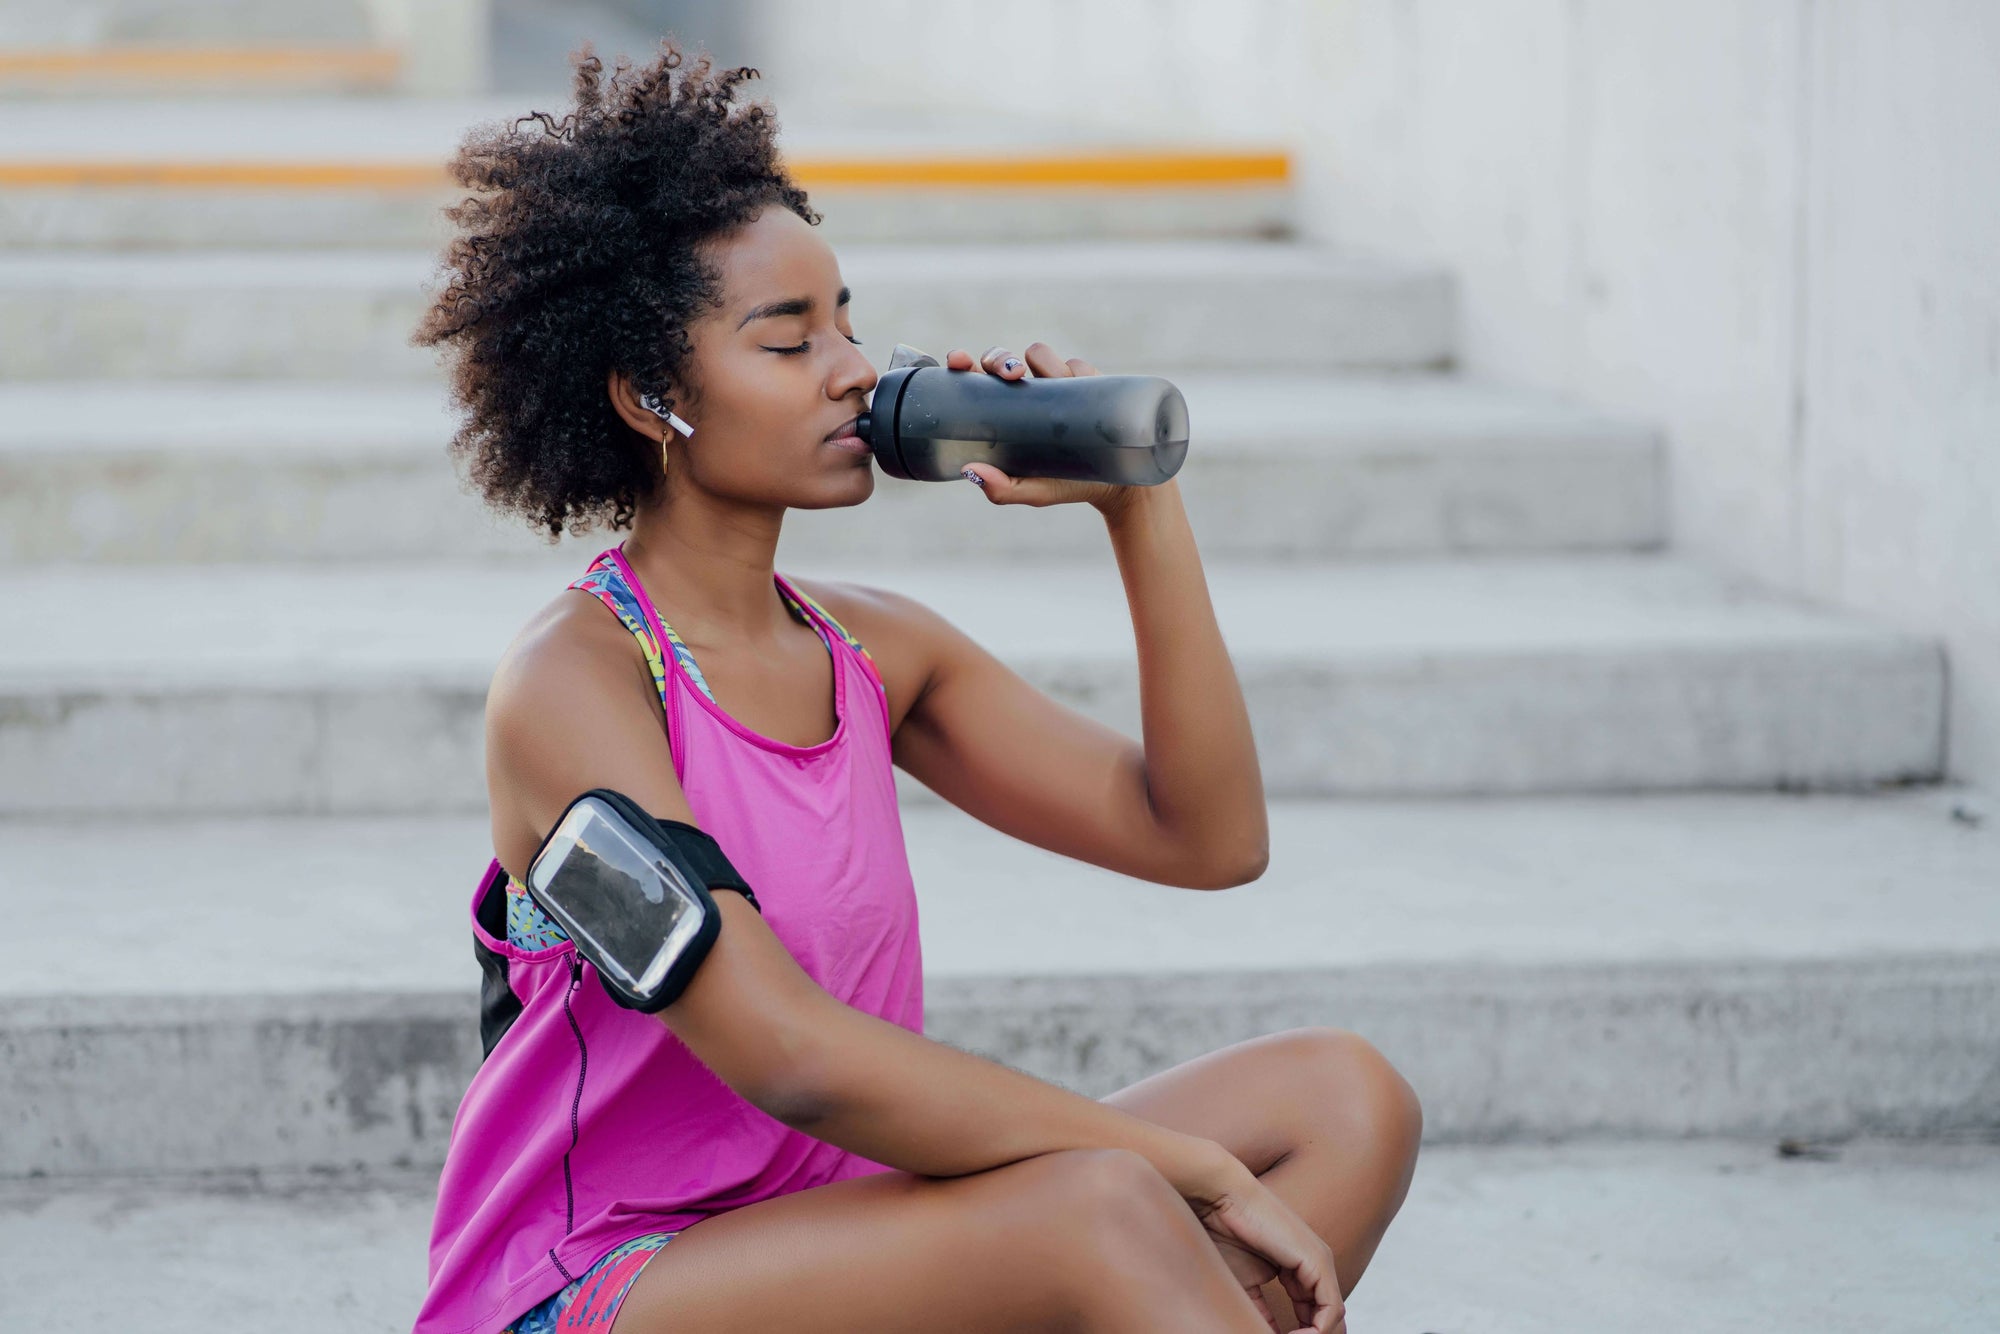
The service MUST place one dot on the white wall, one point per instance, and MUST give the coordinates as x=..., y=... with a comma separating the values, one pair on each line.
x=1774, y=225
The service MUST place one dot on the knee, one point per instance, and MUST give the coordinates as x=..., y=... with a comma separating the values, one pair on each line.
x=1118, y=1211
x=1119, y=1239
x=1346, y=1081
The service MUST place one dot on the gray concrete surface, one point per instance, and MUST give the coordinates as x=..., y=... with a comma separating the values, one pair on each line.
x=279, y=688
x=427, y=129
x=300, y=992
x=1722, y=1236
x=1280, y=465
x=327, y=622
x=193, y=217
x=1432, y=883
x=1139, y=305
x=121, y=23
x=1898, y=1045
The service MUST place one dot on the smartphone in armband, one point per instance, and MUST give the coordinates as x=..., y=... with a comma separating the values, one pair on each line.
x=632, y=892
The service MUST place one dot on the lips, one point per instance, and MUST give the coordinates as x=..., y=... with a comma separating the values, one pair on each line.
x=846, y=431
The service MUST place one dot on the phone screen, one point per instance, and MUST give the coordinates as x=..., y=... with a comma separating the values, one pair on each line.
x=611, y=889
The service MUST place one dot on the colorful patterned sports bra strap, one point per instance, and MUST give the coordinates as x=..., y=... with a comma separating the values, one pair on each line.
x=846, y=637
x=607, y=583
x=603, y=581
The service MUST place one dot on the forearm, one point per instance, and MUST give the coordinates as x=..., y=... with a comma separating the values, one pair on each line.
x=1203, y=780
x=897, y=1098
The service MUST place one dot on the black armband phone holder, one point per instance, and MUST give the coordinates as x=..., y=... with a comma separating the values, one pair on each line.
x=632, y=891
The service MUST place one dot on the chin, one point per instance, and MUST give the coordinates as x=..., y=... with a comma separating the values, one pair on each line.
x=844, y=493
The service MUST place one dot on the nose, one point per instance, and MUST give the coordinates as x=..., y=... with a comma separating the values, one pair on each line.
x=853, y=373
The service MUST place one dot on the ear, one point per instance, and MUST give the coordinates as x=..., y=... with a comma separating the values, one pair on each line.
x=634, y=413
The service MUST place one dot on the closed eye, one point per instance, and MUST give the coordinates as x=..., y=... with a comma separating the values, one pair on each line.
x=805, y=347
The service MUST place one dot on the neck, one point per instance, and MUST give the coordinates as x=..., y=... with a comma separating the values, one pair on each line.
x=708, y=566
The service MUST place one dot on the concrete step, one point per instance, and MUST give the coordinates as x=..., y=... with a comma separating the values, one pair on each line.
x=1150, y=306
x=309, y=170
x=360, y=687
x=1733, y=1236
x=299, y=992
x=1283, y=466
x=117, y=24
x=217, y=70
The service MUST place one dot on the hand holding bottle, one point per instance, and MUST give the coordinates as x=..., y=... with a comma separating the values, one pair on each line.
x=1034, y=429
x=1038, y=491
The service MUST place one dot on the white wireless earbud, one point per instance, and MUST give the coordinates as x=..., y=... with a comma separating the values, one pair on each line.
x=651, y=403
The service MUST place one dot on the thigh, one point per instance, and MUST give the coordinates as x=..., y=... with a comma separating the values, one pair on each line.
x=1004, y=1249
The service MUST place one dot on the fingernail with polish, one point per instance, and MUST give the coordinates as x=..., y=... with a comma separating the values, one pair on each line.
x=973, y=477
x=1010, y=363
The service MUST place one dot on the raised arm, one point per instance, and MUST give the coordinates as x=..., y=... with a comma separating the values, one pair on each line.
x=1183, y=807
x=572, y=708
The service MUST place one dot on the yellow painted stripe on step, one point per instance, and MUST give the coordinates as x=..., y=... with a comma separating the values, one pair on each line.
x=1089, y=171
x=192, y=63
x=1116, y=171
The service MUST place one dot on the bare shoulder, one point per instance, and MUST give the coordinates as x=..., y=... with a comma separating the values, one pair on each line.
x=572, y=706
x=572, y=635
x=901, y=634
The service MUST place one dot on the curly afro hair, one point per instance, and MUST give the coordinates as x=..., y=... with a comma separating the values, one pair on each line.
x=581, y=254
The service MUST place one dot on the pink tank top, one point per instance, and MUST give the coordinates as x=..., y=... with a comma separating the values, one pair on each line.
x=586, y=1124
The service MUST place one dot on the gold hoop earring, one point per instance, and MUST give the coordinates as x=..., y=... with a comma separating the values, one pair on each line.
x=664, y=432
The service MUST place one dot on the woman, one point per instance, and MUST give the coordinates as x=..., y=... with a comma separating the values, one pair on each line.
x=647, y=332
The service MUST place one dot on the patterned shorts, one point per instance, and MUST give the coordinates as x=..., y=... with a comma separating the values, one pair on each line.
x=591, y=1303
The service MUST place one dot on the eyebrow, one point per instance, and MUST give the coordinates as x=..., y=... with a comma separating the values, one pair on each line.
x=798, y=305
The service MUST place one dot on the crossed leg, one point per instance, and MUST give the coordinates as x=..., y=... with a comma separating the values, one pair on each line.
x=1318, y=1114
x=1073, y=1242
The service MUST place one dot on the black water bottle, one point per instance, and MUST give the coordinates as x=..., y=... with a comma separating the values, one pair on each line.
x=926, y=423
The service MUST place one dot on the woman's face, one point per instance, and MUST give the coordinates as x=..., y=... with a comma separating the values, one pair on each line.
x=776, y=373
